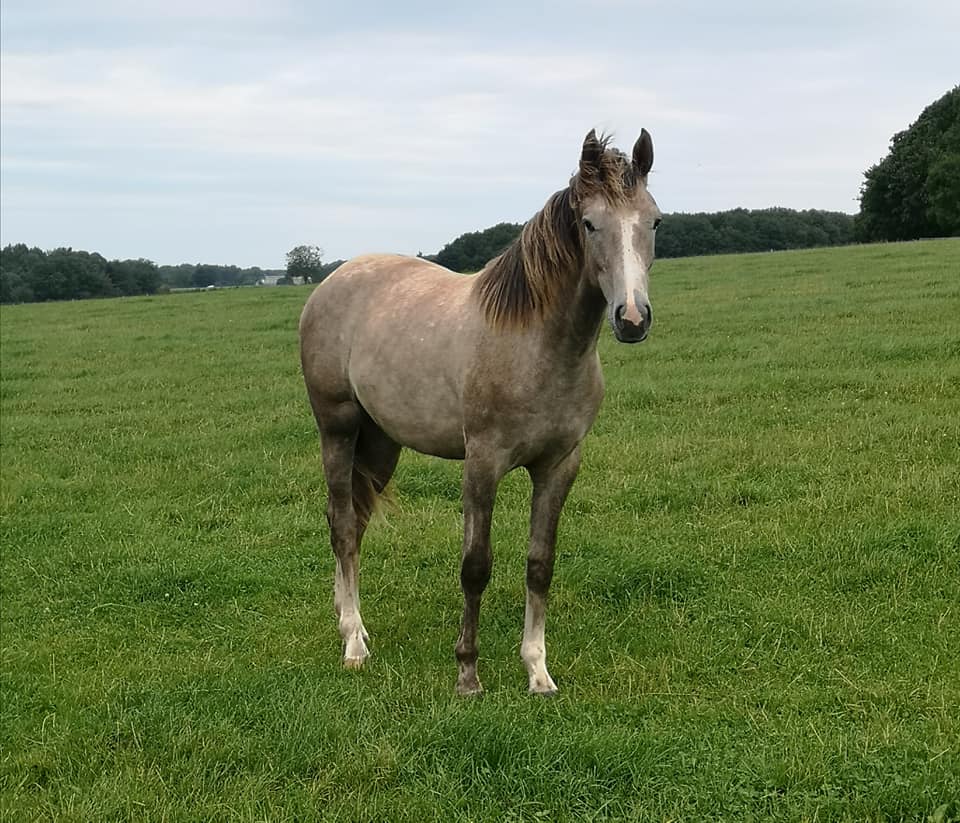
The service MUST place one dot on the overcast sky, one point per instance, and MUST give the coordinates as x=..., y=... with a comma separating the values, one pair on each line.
x=229, y=131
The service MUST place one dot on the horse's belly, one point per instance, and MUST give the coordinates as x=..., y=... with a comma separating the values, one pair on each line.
x=418, y=411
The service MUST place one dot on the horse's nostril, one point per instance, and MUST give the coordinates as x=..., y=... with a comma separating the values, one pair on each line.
x=618, y=313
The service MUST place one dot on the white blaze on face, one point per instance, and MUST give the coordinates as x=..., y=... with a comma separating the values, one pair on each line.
x=635, y=280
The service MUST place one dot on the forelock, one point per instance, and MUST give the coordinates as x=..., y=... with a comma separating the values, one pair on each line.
x=614, y=179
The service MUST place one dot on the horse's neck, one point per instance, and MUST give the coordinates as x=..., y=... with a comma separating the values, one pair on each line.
x=573, y=325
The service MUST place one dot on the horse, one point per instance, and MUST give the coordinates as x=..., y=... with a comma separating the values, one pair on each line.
x=499, y=370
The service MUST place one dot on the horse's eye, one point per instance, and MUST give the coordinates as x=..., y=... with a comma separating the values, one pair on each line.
x=589, y=226
x=656, y=223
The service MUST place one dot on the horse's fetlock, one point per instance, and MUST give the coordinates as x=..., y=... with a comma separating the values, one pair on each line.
x=532, y=652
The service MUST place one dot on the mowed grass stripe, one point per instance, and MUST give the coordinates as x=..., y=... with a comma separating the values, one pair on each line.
x=754, y=614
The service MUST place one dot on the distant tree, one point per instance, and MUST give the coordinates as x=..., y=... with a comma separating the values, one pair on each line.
x=683, y=235
x=228, y=276
x=329, y=268
x=177, y=277
x=17, y=264
x=68, y=274
x=305, y=262
x=745, y=230
x=29, y=274
x=48, y=281
x=471, y=251
x=943, y=193
x=146, y=273
x=249, y=277
x=205, y=275
x=134, y=276
x=14, y=287
x=915, y=190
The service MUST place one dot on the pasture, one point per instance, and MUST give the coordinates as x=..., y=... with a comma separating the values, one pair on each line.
x=755, y=612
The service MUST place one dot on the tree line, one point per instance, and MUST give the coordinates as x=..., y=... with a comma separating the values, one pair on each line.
x=684, y=235
x=751, y=230
x=30, y=274
x=202, y=275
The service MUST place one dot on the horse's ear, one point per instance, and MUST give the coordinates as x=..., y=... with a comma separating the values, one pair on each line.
x=643, y=153
x=592, y=150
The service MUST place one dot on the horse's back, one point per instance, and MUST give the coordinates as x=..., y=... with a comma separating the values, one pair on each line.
x=361, y=280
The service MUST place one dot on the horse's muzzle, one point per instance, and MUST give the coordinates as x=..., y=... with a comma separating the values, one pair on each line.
x=629, y=332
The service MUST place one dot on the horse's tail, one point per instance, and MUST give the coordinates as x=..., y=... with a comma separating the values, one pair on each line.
x=365, y=494
x=374, y=460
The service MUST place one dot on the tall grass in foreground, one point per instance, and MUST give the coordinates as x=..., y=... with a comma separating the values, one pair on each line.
x=754, y=616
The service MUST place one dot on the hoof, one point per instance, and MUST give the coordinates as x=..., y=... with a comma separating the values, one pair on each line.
x=470, y=688
x=544, y=692
x=353, y=663
x=463, y=692
x=543, y=685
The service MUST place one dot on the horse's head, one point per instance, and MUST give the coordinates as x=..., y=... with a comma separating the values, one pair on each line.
x=618, y=220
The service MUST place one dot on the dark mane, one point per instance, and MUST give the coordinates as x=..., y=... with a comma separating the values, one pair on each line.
x=529, y=276
x=538, y=267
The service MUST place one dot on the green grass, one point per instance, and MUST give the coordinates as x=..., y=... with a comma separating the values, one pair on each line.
x=755, y=613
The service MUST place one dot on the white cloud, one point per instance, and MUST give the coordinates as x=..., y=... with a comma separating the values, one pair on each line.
x=354, y=101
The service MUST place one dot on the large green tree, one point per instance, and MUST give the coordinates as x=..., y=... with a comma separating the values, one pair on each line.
x=305, y=262
x=915, y=190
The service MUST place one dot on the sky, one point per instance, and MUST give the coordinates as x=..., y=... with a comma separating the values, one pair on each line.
x=230, y=131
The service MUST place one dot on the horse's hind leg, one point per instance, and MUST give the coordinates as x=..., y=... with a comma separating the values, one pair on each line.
x=338, y=437
x=358, y=460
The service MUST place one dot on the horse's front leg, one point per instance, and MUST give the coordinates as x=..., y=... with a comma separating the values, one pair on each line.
x=480, y=481
x=551, y=483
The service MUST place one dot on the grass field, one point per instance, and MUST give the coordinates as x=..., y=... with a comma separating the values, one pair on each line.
x=755, y=612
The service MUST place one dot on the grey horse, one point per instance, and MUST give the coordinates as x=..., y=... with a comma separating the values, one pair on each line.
x=499, y=370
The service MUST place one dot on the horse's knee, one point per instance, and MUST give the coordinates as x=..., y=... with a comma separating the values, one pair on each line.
x=475, y=569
